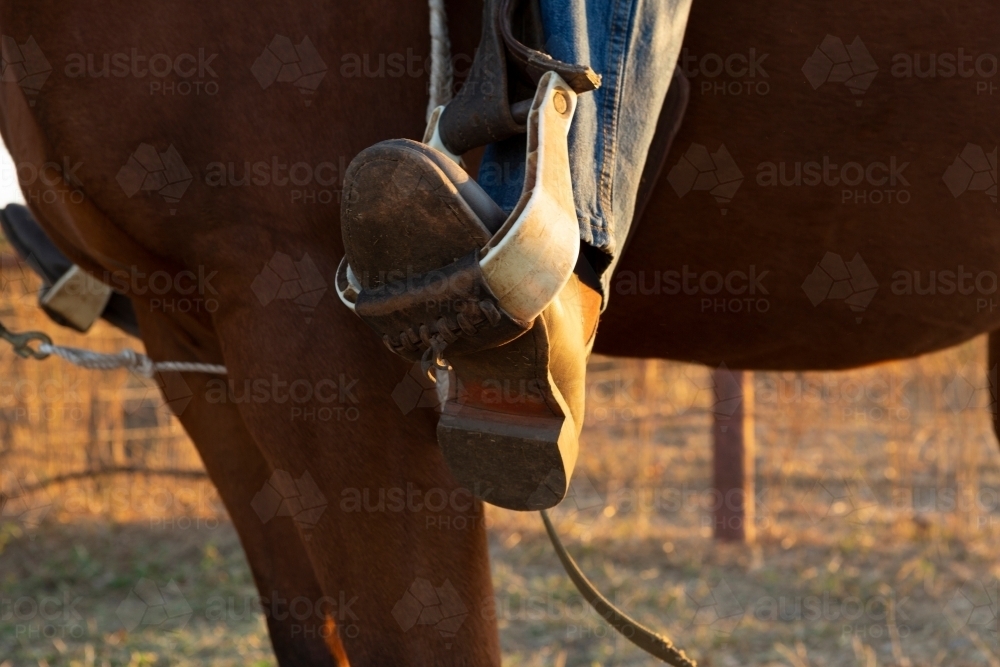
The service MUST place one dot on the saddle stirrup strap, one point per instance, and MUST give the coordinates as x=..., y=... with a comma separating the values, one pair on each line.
x=481, y=112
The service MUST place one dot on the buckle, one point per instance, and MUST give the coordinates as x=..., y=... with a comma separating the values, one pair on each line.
x=21, y=342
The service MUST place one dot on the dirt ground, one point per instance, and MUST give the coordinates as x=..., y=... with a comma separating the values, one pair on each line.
x=877, y=526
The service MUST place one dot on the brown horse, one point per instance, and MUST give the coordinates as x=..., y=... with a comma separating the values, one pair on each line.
x=211, y=139
x=872, y=174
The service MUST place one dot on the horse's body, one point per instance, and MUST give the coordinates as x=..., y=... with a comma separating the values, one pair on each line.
x=370, y=555
x=784, y=231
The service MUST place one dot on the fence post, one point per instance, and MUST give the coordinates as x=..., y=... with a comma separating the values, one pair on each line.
x=733, y=455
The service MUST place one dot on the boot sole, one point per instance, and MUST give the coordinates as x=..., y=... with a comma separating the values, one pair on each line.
x=506, y=431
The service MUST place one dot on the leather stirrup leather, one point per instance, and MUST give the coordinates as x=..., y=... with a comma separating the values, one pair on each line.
x=482, y=112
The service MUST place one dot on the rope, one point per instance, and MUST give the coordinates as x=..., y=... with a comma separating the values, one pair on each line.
x=441, y=74
x=649, y=641
x=129, y=359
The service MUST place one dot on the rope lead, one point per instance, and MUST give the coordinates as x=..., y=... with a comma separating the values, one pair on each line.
x=128, y=359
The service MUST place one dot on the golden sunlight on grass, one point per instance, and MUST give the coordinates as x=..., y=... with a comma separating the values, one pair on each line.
x=878, y=518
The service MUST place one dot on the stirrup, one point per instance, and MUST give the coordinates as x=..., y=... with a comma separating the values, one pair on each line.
x=531, y=257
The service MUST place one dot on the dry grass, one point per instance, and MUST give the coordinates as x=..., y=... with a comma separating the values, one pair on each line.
x=878, y=520
x=57, y=419
x=879, y=492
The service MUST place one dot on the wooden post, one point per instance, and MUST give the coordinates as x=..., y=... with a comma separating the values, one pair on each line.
x=645, y=430
x=733, y=455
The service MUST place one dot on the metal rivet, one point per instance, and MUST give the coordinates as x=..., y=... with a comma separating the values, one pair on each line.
x=561, y=101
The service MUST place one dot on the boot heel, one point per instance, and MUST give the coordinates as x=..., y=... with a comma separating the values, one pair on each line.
x=506, y=431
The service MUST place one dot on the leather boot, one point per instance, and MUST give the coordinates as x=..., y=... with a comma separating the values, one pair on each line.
x=444, y=276
x=512, y=422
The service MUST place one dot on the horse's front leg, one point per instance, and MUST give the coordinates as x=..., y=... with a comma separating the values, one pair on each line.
x=396, y=544
x=278, y=560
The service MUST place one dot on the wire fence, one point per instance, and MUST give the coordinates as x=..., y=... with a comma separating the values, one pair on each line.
x=77, y=442
x=912, y=438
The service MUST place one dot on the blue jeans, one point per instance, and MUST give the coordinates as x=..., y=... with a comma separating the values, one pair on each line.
x=634, y=46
